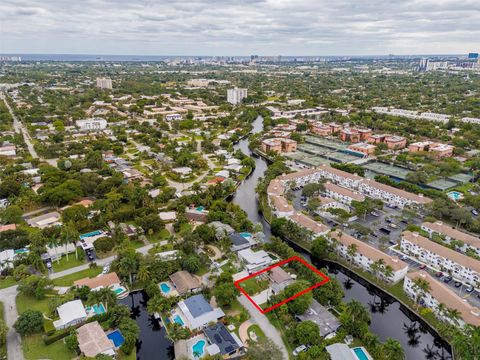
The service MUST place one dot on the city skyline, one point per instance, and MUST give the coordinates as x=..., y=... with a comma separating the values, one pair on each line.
x=211, y=27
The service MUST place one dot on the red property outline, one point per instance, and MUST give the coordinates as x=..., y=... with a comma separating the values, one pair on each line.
x=280, y=263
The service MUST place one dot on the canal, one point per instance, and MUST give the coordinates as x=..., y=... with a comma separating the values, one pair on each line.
x=153, y=343
x=390, y=319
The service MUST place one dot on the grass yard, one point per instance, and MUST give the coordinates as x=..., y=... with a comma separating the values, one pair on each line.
x=27, y=302
x=63, y=264
x=69, y=279
x=253, y=286
x=256, y=329
x=159, y=236
x=122, y=356
x=7, y=282
x=34, y=348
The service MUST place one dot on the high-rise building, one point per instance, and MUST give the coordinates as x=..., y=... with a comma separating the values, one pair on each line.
x=236, y=95
x=423, y=64
x=104, y=83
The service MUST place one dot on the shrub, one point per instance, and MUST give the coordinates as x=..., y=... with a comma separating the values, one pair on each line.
x=30, y=322
x=104, y=244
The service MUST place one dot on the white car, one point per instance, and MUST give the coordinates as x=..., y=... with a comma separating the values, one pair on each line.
x=106, y=269
x=299, y=349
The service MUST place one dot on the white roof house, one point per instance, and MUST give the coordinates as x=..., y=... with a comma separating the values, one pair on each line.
x=254, y=261
x=198, y=312
x=70, y=313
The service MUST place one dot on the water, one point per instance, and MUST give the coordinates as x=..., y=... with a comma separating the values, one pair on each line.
x=164, y=288
x=197, y=349
x=389, y=318
x=152, y=343
x=117, y=338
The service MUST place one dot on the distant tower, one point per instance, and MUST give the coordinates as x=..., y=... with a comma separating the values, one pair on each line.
x=423, y=66
x=104, y=83
x=236, y=95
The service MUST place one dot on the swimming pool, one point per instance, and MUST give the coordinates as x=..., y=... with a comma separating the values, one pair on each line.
x=455, y=195
x=197, y=349
x=117, y=338
x=360, y=353
x=200, y=208
x=165, y=288
x=245, y=235
x=177, y=319
x=97, y=309
x=93, y=233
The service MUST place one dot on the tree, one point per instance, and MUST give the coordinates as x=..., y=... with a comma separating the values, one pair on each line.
x=191, y=264
x=12, y=215
x=420, y=287
x=355, y=318
x=130, y=332
x=263, y=349
x=29, y=322
x=307, y=332
x=3, y=332
x=225, y=293
x=352, y=252
x=466, y=343
x=312, y=189
x=392, y=350
x=300, y=304
x=117, y=313
x=144, y=273
x=71, y=341
x=159, y=304
x=320, y=247
x=106, y=296
x=34, y=286
x=69, y=235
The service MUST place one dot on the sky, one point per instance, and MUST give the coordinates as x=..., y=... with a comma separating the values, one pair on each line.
x=240, y=27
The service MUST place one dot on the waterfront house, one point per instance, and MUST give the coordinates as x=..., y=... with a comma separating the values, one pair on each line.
x=93, y=341
x=185, y=282
x=197, y=312
x=70, y=313
x=254, y=261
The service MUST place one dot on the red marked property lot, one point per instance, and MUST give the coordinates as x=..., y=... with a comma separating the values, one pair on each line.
x=293, y=258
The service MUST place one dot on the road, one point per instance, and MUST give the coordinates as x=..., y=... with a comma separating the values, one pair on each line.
x=8, y=295
x=261, y=320
x=21, y=129
x=14, y=341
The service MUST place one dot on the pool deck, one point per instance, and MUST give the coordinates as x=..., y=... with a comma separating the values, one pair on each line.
x=193, y=341
x=172, y=293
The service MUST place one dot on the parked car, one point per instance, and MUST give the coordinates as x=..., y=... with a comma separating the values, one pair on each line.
x=447, y=279
x=403, y=257
x=474, y=212
x=469, y=289
x=439, y=274
x=392, y=225
x=458, y=284
x=299, y=349
x=392, y=241
x=423, y=266
x=374, y=213
x=106, y=269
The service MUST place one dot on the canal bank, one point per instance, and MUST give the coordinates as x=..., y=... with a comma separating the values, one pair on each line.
x=390, y=318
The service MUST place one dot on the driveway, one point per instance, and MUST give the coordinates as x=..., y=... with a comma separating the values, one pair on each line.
x=261, y=320
x=14, y=341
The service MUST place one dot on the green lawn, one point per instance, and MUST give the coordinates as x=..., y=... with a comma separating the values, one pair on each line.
x=69, y=279
x=159, y=236
x=7, y=282
x=122, y=356
x=63, y=264
x=256, y=329
x=26, y=302
x=34, y=348
x=252, y=286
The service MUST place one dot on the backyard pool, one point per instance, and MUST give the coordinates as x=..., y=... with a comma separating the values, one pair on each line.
x=245, y=235
x=165, y=288
x=197, y=349
x=93, y=233
x=200, y=208
x=97, y=309
x=360, y=353
x=117, y=338
x=178, y=320
x=455, y=195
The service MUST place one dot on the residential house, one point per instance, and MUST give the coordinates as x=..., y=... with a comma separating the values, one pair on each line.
x=222, y=342
x=254, y=261
x=240, y=242
x=340, y=351
x=45, y=220
x=319, y=314
x=185, y=282
x=70, y=313
x=198, y=313
x=109, y=281
x=93, y=341
x=279, y=279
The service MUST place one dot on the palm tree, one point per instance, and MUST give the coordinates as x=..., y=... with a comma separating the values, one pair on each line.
x=453, y=316
x=144, y=273
x=69, y=234
x=392, y=350
x=352, y=251
x=421, y=287
x=104, y=295
x=388, y=272
x=159, y=304
x=53, y=243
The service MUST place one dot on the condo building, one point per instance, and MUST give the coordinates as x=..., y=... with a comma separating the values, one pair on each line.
x=236, y=95
x=461, y=267
x=448, y=233
x=441, y=294
x=342, y=194
x=366, y=255
x=104, y=83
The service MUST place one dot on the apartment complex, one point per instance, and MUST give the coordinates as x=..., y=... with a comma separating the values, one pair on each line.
x=366, y=255
x=279, y=145
x=448, y=233
x=104, y=83
x=93, y=124
x=461, y=267
x=439, y=150
x=341, y=194
x=441, y=294
x=236, y=95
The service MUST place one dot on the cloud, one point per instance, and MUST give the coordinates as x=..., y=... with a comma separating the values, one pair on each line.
x=239, y=27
